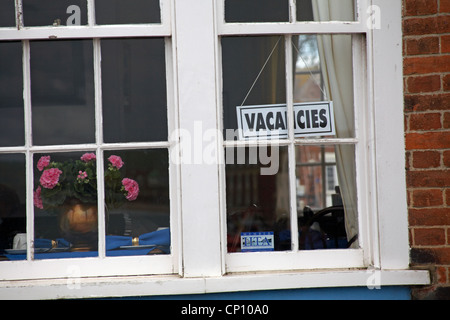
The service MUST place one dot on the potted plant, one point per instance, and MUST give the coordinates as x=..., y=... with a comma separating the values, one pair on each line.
x=70, y=187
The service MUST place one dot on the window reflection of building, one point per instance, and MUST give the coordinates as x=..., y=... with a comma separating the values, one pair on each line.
x=316, y=177
x=316, y=165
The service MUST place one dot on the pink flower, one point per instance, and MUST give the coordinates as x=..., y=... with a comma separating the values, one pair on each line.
x=116, y=161
x=131, y=187
x=88, y=157
x=50, y=178
x=43, y=162
x=37, y=198
x=82, y=175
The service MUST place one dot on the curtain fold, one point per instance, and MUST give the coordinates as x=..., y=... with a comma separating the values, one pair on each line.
x=337, y=70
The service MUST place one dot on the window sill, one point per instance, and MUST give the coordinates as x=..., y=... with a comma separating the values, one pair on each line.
x=173, y=285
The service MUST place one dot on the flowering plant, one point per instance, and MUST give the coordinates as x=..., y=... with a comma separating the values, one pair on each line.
x=77, y=180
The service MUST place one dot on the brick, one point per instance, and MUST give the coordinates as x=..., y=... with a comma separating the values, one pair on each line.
x=428, y=179
x=426, y=159
x=422, y=256
x=429, y=236
x=426, y=45
x=420, y=7
x=444, y=6
x=431, y=102
x=429, y=216
x=446, y=159
x=408, y=157
x=445, y=44
x=441, y=274
x=428, y=140
x=429, y=64
x=424, y=121
x=446, y=82
x=423, y=84
x=442, y=255
x=446, y=123
x=426, y=25
x=430, y=293
x=427, y=198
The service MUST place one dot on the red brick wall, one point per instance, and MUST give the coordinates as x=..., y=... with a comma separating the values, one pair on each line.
x=426, y=51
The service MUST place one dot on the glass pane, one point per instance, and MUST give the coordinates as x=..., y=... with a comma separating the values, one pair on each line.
x=257, y=196
x=12, y=207
x=137, y=202
x=11, y=95
x=65, y=200
x=127, y=11
x=325, y=10
x=326, y=196
x=324, y=72
x=51, y=12
x=134, y=90
x=7, y=14
x=62, y=92
x=253, y=74
x=256, y=10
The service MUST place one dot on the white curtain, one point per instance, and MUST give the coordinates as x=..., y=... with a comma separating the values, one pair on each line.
x=337, y=71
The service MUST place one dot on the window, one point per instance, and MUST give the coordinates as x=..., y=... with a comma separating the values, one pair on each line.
x=98, y=104
x=235, y=119
x=289, y=74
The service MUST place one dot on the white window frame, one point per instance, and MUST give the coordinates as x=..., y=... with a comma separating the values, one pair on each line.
x=378, y=226
x=101, y=265
x=200, y=262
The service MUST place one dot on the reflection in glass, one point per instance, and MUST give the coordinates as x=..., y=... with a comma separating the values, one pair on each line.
x=134, y=90
x=11, y=95
x=127, y=11
x=253, y=74
x=65, y=200
x=7, y=14
x=141, y=223
x=326, y=196
x=325, y=10
x=324, y=72
x=12, y=202
x=62, y=92
x=256, y=10
x=50, y=12
x=308, y=81
x=257, y=194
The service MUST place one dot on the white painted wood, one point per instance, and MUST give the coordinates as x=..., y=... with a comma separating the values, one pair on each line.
x=28, y=142
x=389, y=130
x=97, y=54
x=196, y=49
x=290, y=28
x=91, y=12
x=174, y=169
x=80, y=32
x=198, y=213
x=86, y=267
x=295, y=260
x=167, y=285
x=293, y=218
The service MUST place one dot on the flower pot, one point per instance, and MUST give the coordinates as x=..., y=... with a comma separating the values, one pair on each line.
x=78, y=224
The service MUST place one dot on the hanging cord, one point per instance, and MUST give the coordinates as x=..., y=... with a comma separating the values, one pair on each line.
x=262, y=69
x=309, y=70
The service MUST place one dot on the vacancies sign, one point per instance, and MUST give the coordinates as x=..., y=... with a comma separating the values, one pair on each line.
x=270, y=121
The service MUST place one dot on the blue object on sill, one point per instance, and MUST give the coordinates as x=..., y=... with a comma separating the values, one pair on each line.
x=115, y=246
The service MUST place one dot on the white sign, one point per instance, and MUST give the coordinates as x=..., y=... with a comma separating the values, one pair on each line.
x=257, y=241
x=270, y=121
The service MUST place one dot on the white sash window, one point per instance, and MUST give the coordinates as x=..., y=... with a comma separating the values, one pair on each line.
x=166, y=86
